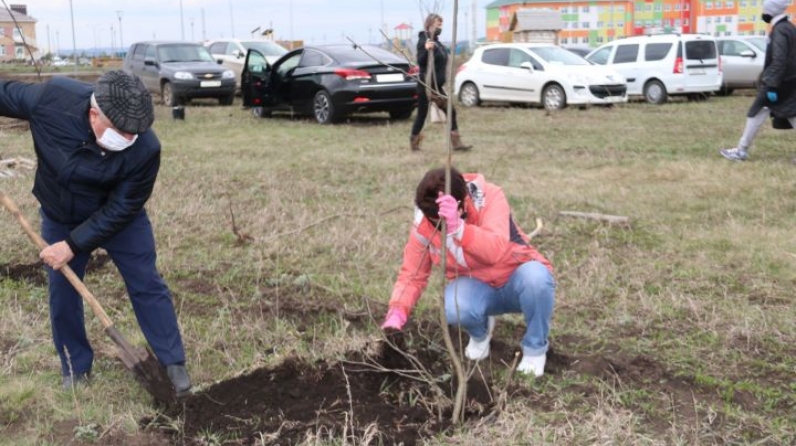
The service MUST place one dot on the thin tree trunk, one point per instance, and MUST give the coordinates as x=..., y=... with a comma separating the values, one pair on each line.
x=461, y=390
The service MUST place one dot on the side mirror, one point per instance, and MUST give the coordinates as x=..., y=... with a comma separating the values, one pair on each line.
x=748, y=53
x=237, y=53
x=219, y=61
x=528, y=66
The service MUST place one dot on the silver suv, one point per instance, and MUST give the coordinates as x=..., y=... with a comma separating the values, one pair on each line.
x=180, y=71
x=742, y=61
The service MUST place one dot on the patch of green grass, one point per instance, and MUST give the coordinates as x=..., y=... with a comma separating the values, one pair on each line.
x=700, y=282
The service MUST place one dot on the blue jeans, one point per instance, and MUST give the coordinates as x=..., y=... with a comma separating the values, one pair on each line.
x=133, y=252
x=530, y=291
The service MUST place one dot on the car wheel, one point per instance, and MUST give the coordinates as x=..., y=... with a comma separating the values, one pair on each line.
x=402, y=114
x=259, y=112
x=655, y=92
x=323, y=108
x=469, y=96
x=226, y=100
x=168, y=95
x=553, y=97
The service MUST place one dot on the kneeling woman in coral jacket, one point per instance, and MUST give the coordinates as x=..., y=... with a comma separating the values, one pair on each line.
x=492, y=268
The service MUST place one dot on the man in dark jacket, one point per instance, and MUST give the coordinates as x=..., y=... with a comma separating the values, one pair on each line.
x=98, y=160
x=777, y=94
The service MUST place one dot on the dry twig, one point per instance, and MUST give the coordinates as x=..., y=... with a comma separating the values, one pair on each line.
x=242, y=237
x=537, y=229
x=613, y=219
x=11, y=167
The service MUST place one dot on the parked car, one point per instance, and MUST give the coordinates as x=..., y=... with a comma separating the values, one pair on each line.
x=329, y=82
x=742, y=62
x=536, y=73
x=758, y=41
x=180, y=71
x=232, y=52
x=59, y=62
x=581, y=51
x=661, y=65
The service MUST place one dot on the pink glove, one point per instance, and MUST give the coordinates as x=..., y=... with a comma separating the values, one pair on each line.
x=449, y=210
x=396, y=318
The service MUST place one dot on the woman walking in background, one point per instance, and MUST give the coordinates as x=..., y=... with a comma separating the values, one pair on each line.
x=428, y=45
x=776, y=96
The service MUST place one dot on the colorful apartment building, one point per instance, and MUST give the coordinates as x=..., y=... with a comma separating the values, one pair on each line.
x=597, y=21
x=13, y=39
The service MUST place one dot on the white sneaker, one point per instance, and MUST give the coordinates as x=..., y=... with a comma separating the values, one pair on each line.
x=478, y=350
x=532, y=365
x=734, y=154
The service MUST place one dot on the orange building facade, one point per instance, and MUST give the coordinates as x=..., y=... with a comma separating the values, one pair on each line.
x=598, y=21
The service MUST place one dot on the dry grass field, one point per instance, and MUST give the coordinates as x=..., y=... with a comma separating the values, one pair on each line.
x=677, y=329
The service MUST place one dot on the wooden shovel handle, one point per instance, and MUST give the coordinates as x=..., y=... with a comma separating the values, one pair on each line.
x=92, y=302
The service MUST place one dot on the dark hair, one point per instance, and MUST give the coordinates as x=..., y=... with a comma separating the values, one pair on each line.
x=432, y=184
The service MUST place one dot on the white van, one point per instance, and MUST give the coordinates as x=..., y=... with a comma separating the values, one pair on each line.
x=661, y=65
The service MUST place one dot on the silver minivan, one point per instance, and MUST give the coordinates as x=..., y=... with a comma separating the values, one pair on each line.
x=658, y=66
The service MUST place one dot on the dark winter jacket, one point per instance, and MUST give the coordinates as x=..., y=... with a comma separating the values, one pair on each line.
x=78, y=184
x=779, y=72
x=440, y=59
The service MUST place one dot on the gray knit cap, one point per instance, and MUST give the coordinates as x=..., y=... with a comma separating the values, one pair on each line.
x=775, y=7
x=124, y=99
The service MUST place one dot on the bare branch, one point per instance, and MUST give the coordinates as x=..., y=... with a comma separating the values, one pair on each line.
x=361, y=48
x=537, y=229
x=613, y=219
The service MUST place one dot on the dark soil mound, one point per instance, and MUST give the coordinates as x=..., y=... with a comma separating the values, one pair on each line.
x=35, y=273
x=396, y=395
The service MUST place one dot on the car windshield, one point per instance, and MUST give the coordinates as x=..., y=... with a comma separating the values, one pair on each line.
x=759, y=42
x=265, y=48
x=183, y=53
x=557, y=56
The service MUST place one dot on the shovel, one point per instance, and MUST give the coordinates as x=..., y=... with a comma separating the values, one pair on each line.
x=140, y=361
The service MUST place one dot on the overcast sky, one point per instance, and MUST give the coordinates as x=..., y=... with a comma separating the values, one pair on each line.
x=314, y=21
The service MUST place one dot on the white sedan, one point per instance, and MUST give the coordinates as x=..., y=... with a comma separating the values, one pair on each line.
x=536, y=73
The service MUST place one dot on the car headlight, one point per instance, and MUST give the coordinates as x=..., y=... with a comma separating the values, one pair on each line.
x=183, y=75
x=229, y=74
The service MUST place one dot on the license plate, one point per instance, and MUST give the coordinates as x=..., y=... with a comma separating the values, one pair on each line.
x=697, y=71
x=210, y=84
x=395, y=77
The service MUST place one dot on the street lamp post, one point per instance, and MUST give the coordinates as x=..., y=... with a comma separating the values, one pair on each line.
x=121, y=39
x=231, y=21
x=74, y=41
x=182, y=23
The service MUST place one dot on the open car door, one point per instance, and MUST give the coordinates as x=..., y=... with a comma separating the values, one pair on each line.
x=255, y=81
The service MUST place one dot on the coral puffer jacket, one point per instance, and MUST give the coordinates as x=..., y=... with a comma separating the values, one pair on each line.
x=489, y=248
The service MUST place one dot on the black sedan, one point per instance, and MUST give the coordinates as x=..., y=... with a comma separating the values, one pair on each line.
x=329, y=82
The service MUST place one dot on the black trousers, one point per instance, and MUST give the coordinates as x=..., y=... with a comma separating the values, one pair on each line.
x=422, y=111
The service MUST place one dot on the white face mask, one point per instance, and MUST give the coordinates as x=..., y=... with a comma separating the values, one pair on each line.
x=113, y=141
